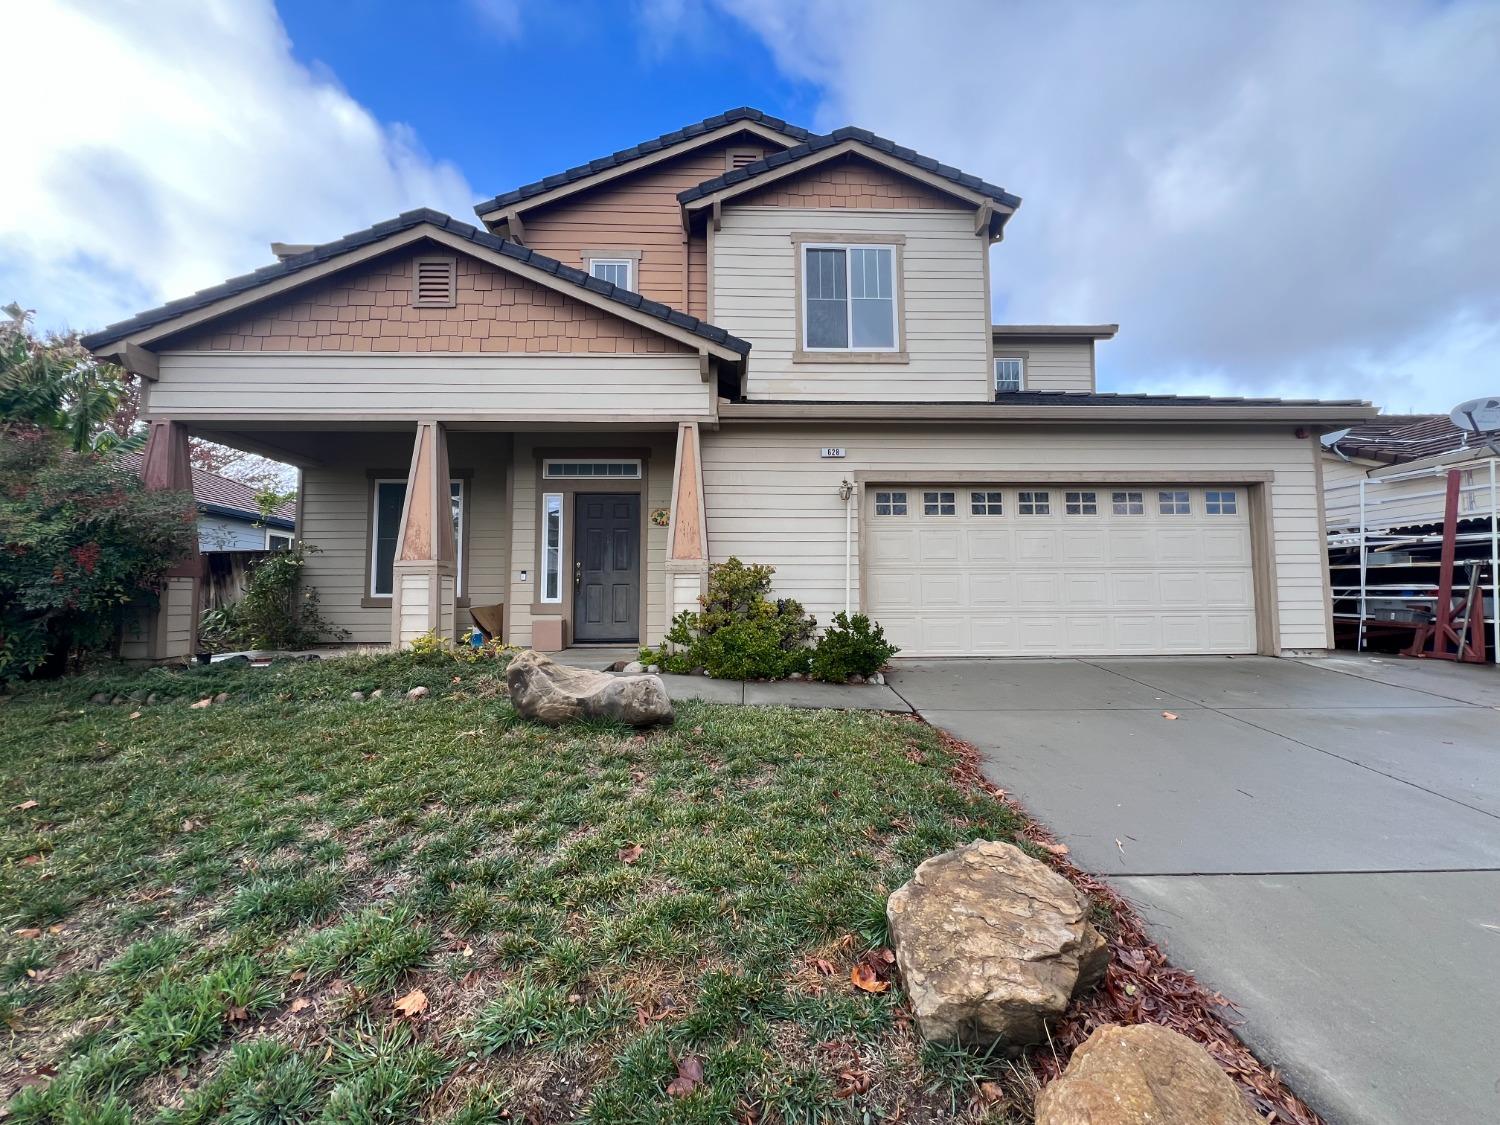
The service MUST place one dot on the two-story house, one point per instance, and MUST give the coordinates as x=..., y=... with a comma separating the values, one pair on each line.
x=740, y=338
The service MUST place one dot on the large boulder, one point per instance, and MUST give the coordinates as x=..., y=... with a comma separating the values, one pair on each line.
x=991, y=944
x=1142, y=1075
x=555, y=694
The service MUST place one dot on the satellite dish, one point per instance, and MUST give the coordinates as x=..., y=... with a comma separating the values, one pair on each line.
x=1478, y=415
x=1333, y=437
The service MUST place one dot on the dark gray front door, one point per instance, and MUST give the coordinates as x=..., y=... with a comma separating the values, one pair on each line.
x=607, y=566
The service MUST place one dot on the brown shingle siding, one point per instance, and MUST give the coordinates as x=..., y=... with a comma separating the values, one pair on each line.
x=369, y=309
x=851, y=183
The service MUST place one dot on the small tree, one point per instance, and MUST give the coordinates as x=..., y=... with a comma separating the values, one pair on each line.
x=80, y=538
x=54, y=383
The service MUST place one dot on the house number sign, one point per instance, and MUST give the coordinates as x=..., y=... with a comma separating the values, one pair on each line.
x=831, y=451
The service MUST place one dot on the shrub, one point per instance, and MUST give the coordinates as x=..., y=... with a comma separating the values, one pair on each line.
x=851, y=646
x=740, y=633
x=79, y=539
x=277, y=611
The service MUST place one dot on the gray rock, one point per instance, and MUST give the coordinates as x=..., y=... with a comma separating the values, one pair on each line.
x=378, y=693
x=418, y=692
x=222, y=697
x=1142, y=1075
x=118, y=699
x=654, y=669
x=856, y=678
x=796, y=676
x=152, y=699
x=992, y=943
x=878, y=678
x=138, y=696
x=99, y=697
x=550, y=693
x=357, y=696
x=633, y=668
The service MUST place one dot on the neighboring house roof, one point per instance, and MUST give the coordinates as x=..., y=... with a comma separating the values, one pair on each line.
x=409, y=221
x=1083, y=331
x=645, y=148
x=1396, y=438
x=815, y=145
x=222, y=496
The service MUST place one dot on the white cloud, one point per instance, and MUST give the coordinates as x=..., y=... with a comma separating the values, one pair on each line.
x=1295, y=198
x=501, y=18
x=157, y=147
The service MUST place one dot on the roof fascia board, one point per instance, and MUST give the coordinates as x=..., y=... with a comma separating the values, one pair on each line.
x=844, y=148
x=629, y=167
x=423, y=231
x=1065, y=331
x=985, y=413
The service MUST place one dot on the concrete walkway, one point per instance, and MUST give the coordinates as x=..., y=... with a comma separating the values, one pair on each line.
x=1317, y=840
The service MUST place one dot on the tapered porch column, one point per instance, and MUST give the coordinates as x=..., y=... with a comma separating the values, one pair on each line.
x=425, y=581
x=687, y=536
x=168, y=630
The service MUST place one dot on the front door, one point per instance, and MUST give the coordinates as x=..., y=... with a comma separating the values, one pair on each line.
x=607, y=567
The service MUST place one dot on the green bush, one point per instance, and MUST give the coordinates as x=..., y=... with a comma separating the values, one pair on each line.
x=79, y=540
x=740, y=633
x=851, y=646
x=277, y=611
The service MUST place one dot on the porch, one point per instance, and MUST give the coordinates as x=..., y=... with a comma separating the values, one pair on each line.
x=550, y=536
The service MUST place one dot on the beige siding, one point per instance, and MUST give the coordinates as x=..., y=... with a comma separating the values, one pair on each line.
x=1052, y=365
x=526, y=550
x=336, y=511
x=552, y=387
x=770, y=498
x=946, y=306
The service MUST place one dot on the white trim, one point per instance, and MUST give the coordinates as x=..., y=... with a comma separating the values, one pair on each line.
x=627, y=263
x=630, y=463
x=894, y=298
x=1020, y=362
x=548, y=498
x=279, y=533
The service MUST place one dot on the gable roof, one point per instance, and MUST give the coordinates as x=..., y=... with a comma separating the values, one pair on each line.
x=676, y=137
x=852, y=136
x=1397, y=438
x=599, y=292
x=225, y=497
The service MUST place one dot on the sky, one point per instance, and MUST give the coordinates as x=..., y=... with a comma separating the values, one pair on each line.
x=1290, y=198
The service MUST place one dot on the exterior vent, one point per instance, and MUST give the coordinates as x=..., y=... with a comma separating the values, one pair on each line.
x=434, y=283
x=740, y=157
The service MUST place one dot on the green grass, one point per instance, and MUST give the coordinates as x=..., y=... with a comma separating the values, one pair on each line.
x=229, y=900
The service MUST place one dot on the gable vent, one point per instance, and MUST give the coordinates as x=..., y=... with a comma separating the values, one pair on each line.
x=740, y=157
x=435, y=283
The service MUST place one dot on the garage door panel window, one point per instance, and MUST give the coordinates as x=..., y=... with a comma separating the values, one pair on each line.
x=939, y=504
x=986, y=503
x=1221, y=503
x=890, y=503
x=1174, y=504
x=1034, y=503
x=1129, y=503
x=1081, y=503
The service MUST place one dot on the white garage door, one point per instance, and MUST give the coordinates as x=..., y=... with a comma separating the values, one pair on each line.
x=1078, y=570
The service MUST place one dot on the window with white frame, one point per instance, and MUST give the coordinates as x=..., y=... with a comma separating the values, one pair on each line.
x=1221, y=503
x=1129, y=503
x=1081, y=503
x=1173, y=504
x=390, y=498
x=849, y=298
x=890, y=503
x=616, y=271
x=1010, y=374
x=612, y=469
x=986, y=503
x=278, y=540
x=1033, y=503
x=939, y=504
x=551, y=584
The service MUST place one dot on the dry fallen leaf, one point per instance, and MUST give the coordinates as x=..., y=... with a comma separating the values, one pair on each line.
x=236, y=1014
x=202, y=703
x=29, y=860
x=23, y=806
x=414, y=1003
x=135, y=714
x=1169, y=715
x=28, y=932
x=299, y=1003
x=864, y=979
x=1054, y=849
x=823, y=966
x=689, y=1076
x=630, y=853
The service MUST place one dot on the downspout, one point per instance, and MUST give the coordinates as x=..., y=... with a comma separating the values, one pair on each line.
x=846, y=494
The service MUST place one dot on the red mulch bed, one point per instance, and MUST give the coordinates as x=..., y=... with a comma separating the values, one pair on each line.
x=1141, y=986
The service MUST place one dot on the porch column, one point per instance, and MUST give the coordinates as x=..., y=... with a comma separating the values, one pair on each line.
x=169, y=629
x=687, y=535
x=424, y=588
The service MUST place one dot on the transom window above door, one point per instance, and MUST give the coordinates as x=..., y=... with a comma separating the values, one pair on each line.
x=616, y=271
x=849, y=298
x=615, y=470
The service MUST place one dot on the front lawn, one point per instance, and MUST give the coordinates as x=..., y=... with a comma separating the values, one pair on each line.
x=293, y=906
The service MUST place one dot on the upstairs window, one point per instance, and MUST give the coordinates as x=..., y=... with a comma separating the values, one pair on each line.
x=849, y=298
x=1010, y=374
x=616, y=271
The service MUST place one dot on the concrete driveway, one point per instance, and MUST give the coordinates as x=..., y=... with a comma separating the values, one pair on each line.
x=1318, y=840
